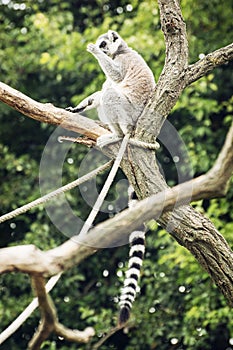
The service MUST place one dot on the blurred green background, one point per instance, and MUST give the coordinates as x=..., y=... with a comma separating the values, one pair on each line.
x=43, y=54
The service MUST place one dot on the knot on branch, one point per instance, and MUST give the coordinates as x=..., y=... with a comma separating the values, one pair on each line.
x=171, y=26
x=171, y=21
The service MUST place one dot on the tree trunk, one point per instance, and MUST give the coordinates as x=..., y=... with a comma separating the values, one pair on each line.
x=190, y=228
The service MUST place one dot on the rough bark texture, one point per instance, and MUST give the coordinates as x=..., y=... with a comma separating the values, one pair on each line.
x=190, y=228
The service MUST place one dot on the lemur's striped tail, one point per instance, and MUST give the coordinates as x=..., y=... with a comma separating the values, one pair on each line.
x=128, y=293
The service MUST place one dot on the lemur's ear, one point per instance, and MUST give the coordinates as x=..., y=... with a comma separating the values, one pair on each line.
x=113, y=36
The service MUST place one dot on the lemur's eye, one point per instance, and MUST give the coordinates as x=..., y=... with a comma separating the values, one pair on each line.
x=103, y=44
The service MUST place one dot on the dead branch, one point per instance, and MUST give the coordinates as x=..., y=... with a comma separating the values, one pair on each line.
x=48, y=314
x=47, y=113
x=74, y=334
x=12, y=328
x=81, y=140
x=49, y=320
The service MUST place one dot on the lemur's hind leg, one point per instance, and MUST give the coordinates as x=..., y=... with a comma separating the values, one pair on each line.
x=116, y=111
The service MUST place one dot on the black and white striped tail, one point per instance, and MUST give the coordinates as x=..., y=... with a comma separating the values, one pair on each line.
x=128, y=293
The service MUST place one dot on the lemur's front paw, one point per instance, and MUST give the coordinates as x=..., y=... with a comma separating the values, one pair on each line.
x=92, y=48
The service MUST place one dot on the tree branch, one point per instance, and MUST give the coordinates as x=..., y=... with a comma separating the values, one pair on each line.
x=174, y=30
x=110, y=333
x=49, y=322
x=12, y=328
x=208, y=63
x=47, y=113
x=48, y=313
x=171, y=81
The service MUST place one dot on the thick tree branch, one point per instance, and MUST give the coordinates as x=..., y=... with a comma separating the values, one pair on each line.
x=171, y=81
x=31, y=260
x=174, y=30
x=208, y=63
x=47, y=113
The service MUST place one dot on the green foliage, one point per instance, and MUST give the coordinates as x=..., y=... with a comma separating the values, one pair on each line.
x=43, y=54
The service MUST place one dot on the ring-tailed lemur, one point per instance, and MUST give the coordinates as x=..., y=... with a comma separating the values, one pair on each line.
x=128, y=87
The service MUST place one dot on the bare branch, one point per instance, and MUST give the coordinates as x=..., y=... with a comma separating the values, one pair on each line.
x=81, y=140
x=112, y=331
x=220, y=174
x=22, y=256
x=215, y=182
x=47, y=113
x=174, y=30
x=30, y=259
x=48, y=313
x=12, y=328
x=208, y=63
x=171, y=81
x=50, y=323
x=74, y=334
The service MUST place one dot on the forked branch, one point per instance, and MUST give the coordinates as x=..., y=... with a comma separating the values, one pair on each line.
x=49, y=320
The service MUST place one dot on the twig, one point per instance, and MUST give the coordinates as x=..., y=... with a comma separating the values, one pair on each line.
x=107, y=336
x=81, y=140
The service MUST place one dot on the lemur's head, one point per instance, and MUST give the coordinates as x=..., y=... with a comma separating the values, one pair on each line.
x=111, y=43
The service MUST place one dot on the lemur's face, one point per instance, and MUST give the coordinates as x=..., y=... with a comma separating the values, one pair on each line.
x=109, y=43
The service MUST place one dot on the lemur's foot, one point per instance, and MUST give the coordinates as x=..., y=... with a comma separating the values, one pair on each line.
x=107, y=139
